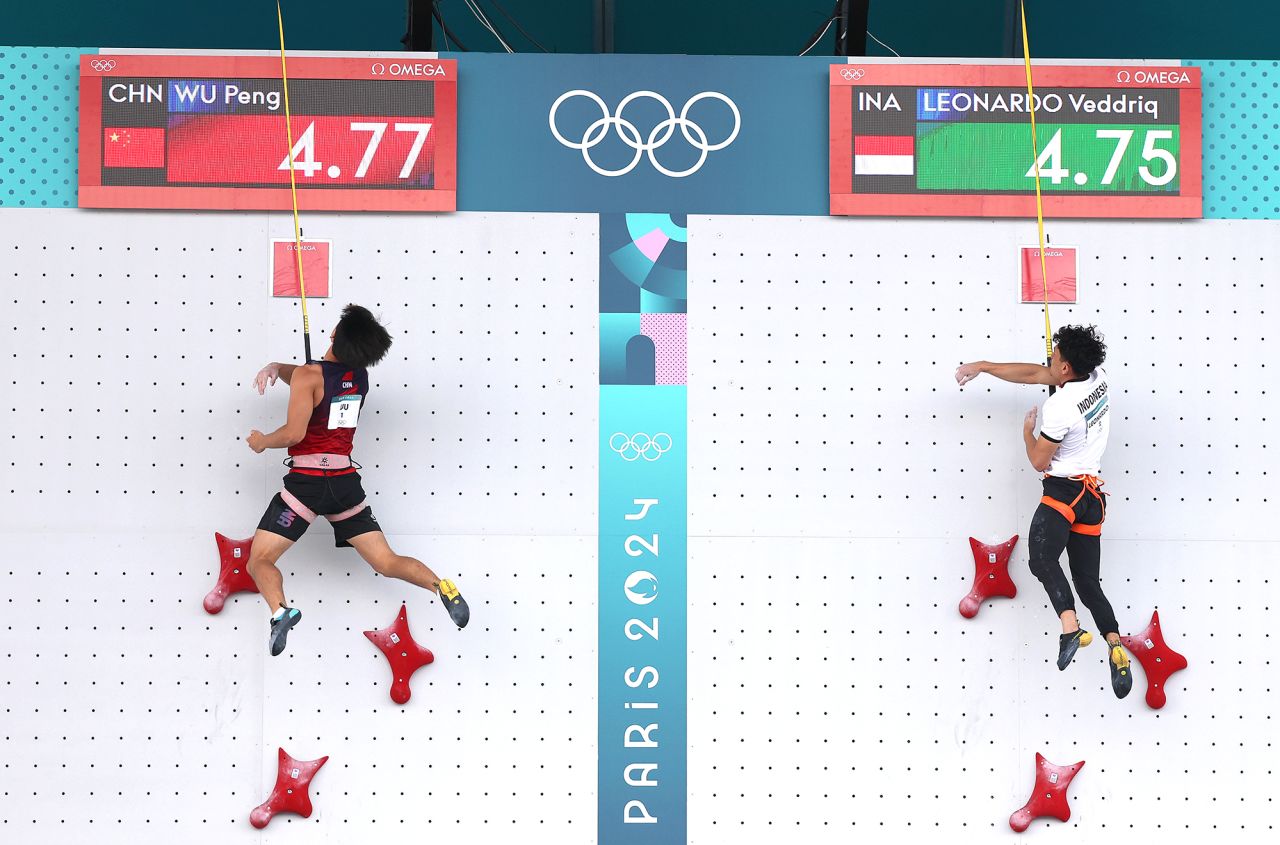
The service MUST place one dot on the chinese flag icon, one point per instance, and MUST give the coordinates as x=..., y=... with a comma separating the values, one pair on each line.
x=139, y=146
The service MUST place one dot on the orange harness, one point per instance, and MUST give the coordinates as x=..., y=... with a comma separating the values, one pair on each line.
x=1090, y=485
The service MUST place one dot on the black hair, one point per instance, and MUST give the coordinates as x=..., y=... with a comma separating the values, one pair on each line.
x=1081, y=347
x=359, y=340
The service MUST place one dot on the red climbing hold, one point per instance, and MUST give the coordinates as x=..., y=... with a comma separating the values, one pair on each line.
x=290, y=795
x=991, y=575
x=1157, y=659
x=233, y=577
x=403, y=653
x=1048, y=796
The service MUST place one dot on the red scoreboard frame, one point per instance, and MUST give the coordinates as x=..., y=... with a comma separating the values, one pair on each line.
x=239, y=190
x=845, y=79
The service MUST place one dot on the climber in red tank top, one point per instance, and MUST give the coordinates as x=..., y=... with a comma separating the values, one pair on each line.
x=325, y=400
x=331, y=431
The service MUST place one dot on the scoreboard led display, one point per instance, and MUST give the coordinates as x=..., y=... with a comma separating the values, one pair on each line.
x=955, y=140
x=179, y=131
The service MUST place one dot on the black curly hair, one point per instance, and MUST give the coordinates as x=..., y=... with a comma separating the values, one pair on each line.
x=1081, y=347
x=359, y=340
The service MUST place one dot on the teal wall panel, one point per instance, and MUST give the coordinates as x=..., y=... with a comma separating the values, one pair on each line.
x=1241, y=139
x=39, y=98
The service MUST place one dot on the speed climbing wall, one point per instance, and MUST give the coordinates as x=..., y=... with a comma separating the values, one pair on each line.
x=835, y=472
x=128, y=708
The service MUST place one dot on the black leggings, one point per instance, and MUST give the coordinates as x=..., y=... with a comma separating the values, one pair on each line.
x=1051, y=533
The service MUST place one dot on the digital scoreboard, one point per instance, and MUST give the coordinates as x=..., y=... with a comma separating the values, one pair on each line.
x=175, y=131
x=955, y=141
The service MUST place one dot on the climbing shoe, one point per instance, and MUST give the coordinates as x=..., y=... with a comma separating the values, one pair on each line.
x=453, y=602
x=1068, y=644
x=1121, y=672
x=280, y=626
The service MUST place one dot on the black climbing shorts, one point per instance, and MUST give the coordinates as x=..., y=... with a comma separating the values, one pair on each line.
x=332, y=496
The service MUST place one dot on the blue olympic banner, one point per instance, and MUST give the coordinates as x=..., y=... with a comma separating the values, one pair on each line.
x=612, y=134
x=642, y=684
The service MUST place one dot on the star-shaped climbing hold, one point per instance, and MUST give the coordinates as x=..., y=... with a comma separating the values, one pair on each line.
x=1048, y=796
x=233, y=575
x=1157, y=659
x=991, y=575
x=290, y=795
x=403, y=653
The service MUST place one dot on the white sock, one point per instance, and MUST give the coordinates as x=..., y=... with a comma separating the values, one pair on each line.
x=277, y=614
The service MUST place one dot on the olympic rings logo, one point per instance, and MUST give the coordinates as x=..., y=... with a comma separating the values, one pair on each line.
x=640, y=445
x=102, y=65
x=658, y=136
x=852, y=74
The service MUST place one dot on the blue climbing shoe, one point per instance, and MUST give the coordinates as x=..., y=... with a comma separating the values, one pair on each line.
x=280, y=629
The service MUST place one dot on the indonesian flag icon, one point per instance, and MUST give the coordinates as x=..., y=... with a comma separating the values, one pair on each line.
x=884, y=155
x=138, y=146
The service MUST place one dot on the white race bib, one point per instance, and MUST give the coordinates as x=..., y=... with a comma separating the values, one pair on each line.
x=344, y=411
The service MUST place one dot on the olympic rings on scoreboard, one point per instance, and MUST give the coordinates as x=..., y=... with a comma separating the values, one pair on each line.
x=640, y=445
x=631, y=135
x=103, y=65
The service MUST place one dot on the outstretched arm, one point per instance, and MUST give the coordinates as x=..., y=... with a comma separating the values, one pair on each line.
x=267, y=376
x=1016, y=373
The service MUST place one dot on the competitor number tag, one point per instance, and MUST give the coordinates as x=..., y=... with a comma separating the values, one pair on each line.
x=344, y=411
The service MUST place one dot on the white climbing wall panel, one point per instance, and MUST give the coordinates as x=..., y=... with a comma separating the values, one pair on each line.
x=130, y=342
x=836, y=471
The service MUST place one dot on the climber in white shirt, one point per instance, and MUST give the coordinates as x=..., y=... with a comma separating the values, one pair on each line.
x=1069, y=449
